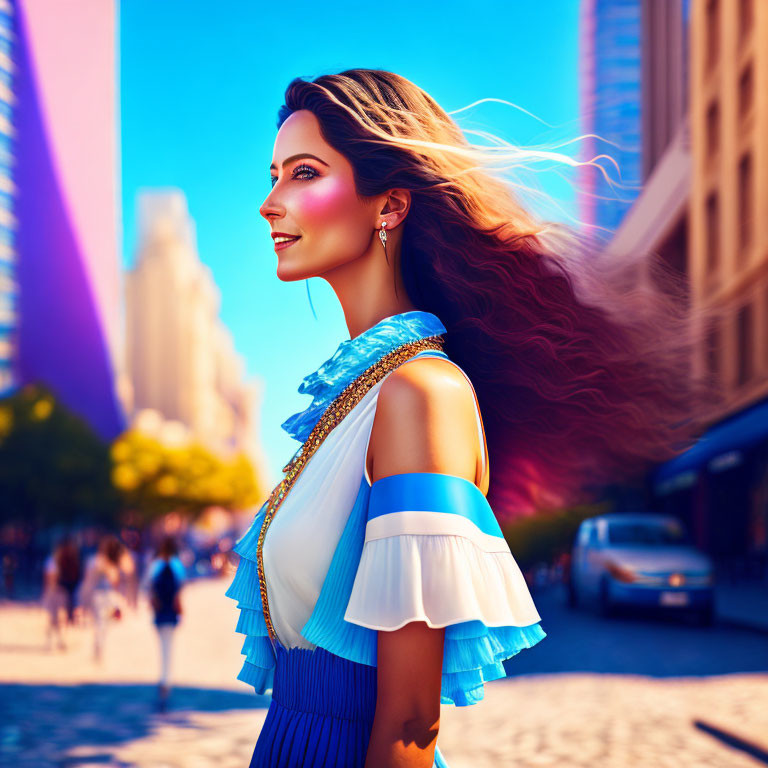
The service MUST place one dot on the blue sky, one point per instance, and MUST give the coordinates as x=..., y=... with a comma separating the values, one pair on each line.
x=201, y=84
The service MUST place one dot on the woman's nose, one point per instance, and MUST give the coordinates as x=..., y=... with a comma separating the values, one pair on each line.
x=271, y=207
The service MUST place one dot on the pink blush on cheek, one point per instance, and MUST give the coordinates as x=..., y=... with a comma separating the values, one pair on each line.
x=330, y=201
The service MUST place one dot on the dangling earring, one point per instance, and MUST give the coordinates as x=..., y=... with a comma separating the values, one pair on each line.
x=383, y=238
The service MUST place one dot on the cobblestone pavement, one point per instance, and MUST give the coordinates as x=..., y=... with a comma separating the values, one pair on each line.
x=59, y=708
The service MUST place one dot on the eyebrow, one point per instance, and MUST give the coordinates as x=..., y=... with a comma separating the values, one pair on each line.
x=298, y=157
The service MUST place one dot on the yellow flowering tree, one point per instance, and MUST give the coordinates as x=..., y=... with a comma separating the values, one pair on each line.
x=154, y=479
x=55, y=470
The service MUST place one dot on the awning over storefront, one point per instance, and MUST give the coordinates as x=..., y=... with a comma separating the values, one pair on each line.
x=719, y=448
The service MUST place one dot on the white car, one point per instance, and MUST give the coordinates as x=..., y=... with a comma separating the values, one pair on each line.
x=640, y=559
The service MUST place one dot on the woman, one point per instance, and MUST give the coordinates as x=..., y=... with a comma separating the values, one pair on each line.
x=165, y=577
x=374, y=584
x=99, y=591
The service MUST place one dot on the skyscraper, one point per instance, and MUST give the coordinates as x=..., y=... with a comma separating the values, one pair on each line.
x=65, y=175
x=610, y=106
x=7, y=196
x=181, y=358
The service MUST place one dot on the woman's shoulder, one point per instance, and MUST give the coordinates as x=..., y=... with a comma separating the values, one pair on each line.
x=430, y=374
x=432, y=388
x=426, y=420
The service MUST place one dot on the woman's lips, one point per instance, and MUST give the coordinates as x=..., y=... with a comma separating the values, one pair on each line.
x=286, y=243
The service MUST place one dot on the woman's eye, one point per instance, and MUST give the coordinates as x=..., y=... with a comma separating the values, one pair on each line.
x=302, y=169
x=298, y=172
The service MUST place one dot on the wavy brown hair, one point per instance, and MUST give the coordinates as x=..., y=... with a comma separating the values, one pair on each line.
x=580, y=363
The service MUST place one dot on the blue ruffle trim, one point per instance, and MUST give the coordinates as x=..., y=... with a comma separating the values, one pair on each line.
x=474, y=654
x=351, y=358
x=259, y=666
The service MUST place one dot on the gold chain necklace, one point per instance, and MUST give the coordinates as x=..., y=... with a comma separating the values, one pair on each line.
x=339, y=407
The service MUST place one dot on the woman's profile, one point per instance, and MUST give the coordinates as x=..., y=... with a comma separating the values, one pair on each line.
x=485, y=374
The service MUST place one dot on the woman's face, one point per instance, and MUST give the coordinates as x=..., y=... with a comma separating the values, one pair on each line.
x=313, y=197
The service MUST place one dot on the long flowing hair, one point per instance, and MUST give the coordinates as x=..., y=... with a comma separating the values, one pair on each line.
x=580, y=363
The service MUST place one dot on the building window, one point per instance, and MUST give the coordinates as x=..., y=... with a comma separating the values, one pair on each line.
x=746, y=91
x=713, y=232
x=713, y=29
x=746, y=18
x=745, y=201
x=744, y=344
x=713, y=128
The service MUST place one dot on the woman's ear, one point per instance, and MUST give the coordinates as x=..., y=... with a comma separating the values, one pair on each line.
x=397, y=201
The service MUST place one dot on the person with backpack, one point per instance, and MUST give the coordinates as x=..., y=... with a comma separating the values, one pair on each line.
x=165, y=576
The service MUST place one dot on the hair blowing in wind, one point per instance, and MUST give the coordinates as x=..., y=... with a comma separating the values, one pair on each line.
x=581, y=369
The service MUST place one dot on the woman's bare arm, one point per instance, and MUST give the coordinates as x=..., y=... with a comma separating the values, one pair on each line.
x=425, y=422
x=410, y=665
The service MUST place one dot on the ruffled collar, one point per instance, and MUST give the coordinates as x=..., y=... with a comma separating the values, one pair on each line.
x=351, y=358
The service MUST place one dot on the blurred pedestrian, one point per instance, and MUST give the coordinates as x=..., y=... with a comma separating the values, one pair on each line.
x=129, y=574
x=54, y=598
x=99, y=593
x=69, y=573
x=165, y=578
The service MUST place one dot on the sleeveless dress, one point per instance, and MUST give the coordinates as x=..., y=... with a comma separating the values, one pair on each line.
x=345, y=558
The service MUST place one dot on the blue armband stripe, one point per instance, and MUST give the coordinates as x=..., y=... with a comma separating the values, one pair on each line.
x=432, y=492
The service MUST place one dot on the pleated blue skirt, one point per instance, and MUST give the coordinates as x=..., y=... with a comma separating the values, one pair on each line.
x=321, y=712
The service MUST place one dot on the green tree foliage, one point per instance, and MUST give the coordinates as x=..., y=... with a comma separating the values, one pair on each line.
x=154, y=479
x=54, y=469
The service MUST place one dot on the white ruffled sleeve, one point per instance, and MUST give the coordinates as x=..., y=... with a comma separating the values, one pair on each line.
x=434, y=552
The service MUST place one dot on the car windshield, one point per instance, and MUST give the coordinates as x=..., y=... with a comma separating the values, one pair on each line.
x=647, y=533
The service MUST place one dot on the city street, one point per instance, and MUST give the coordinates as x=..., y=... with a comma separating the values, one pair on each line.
x=218, y=238
x=615, y=693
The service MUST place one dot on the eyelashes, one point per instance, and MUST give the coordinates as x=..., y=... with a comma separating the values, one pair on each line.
x=299, y=169
x=303, y=169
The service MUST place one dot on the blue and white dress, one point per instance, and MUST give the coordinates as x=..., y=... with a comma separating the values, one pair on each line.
x=345, y=558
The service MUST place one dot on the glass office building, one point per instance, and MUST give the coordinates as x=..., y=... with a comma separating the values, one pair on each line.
x=8, y=298
x=610, y=64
